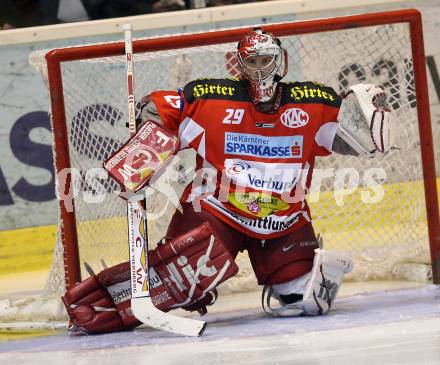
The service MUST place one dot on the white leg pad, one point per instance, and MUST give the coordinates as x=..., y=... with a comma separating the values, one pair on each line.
x=297, y=285
x=327, y=273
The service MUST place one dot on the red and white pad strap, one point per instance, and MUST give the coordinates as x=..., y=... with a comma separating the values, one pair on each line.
x=365, y=123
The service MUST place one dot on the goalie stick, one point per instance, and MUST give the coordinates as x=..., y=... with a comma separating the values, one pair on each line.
x=141, y=303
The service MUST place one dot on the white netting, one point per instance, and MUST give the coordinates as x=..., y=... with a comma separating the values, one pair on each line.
x=382, y=238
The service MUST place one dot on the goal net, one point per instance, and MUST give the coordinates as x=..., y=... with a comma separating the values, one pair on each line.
x=373, y=209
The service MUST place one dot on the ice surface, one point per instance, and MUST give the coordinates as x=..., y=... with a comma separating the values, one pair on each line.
x=386, y=327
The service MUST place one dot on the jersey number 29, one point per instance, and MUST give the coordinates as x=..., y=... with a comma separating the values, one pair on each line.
x=233, y=116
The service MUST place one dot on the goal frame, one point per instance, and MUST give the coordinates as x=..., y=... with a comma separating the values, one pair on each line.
x=413, y=17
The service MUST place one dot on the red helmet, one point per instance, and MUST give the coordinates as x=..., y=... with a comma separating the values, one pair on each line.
x=263, y=62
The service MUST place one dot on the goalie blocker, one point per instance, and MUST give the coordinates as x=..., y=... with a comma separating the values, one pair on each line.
x=145, y=153
x=184, y=274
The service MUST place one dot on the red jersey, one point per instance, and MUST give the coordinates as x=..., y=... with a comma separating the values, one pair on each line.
x=253, y=167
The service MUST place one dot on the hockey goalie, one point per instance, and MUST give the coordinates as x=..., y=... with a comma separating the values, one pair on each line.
x=256, y=139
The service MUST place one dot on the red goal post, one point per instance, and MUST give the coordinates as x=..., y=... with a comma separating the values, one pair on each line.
x=62, y=132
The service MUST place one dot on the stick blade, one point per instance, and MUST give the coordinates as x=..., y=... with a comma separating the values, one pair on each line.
x=145, y=311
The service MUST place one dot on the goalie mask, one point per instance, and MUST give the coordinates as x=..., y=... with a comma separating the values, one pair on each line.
x=263, y=62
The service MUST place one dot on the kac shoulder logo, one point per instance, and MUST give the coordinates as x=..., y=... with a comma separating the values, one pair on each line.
x=294, y=118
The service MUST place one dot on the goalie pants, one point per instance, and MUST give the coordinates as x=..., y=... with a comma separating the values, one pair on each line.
x=274, y=261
